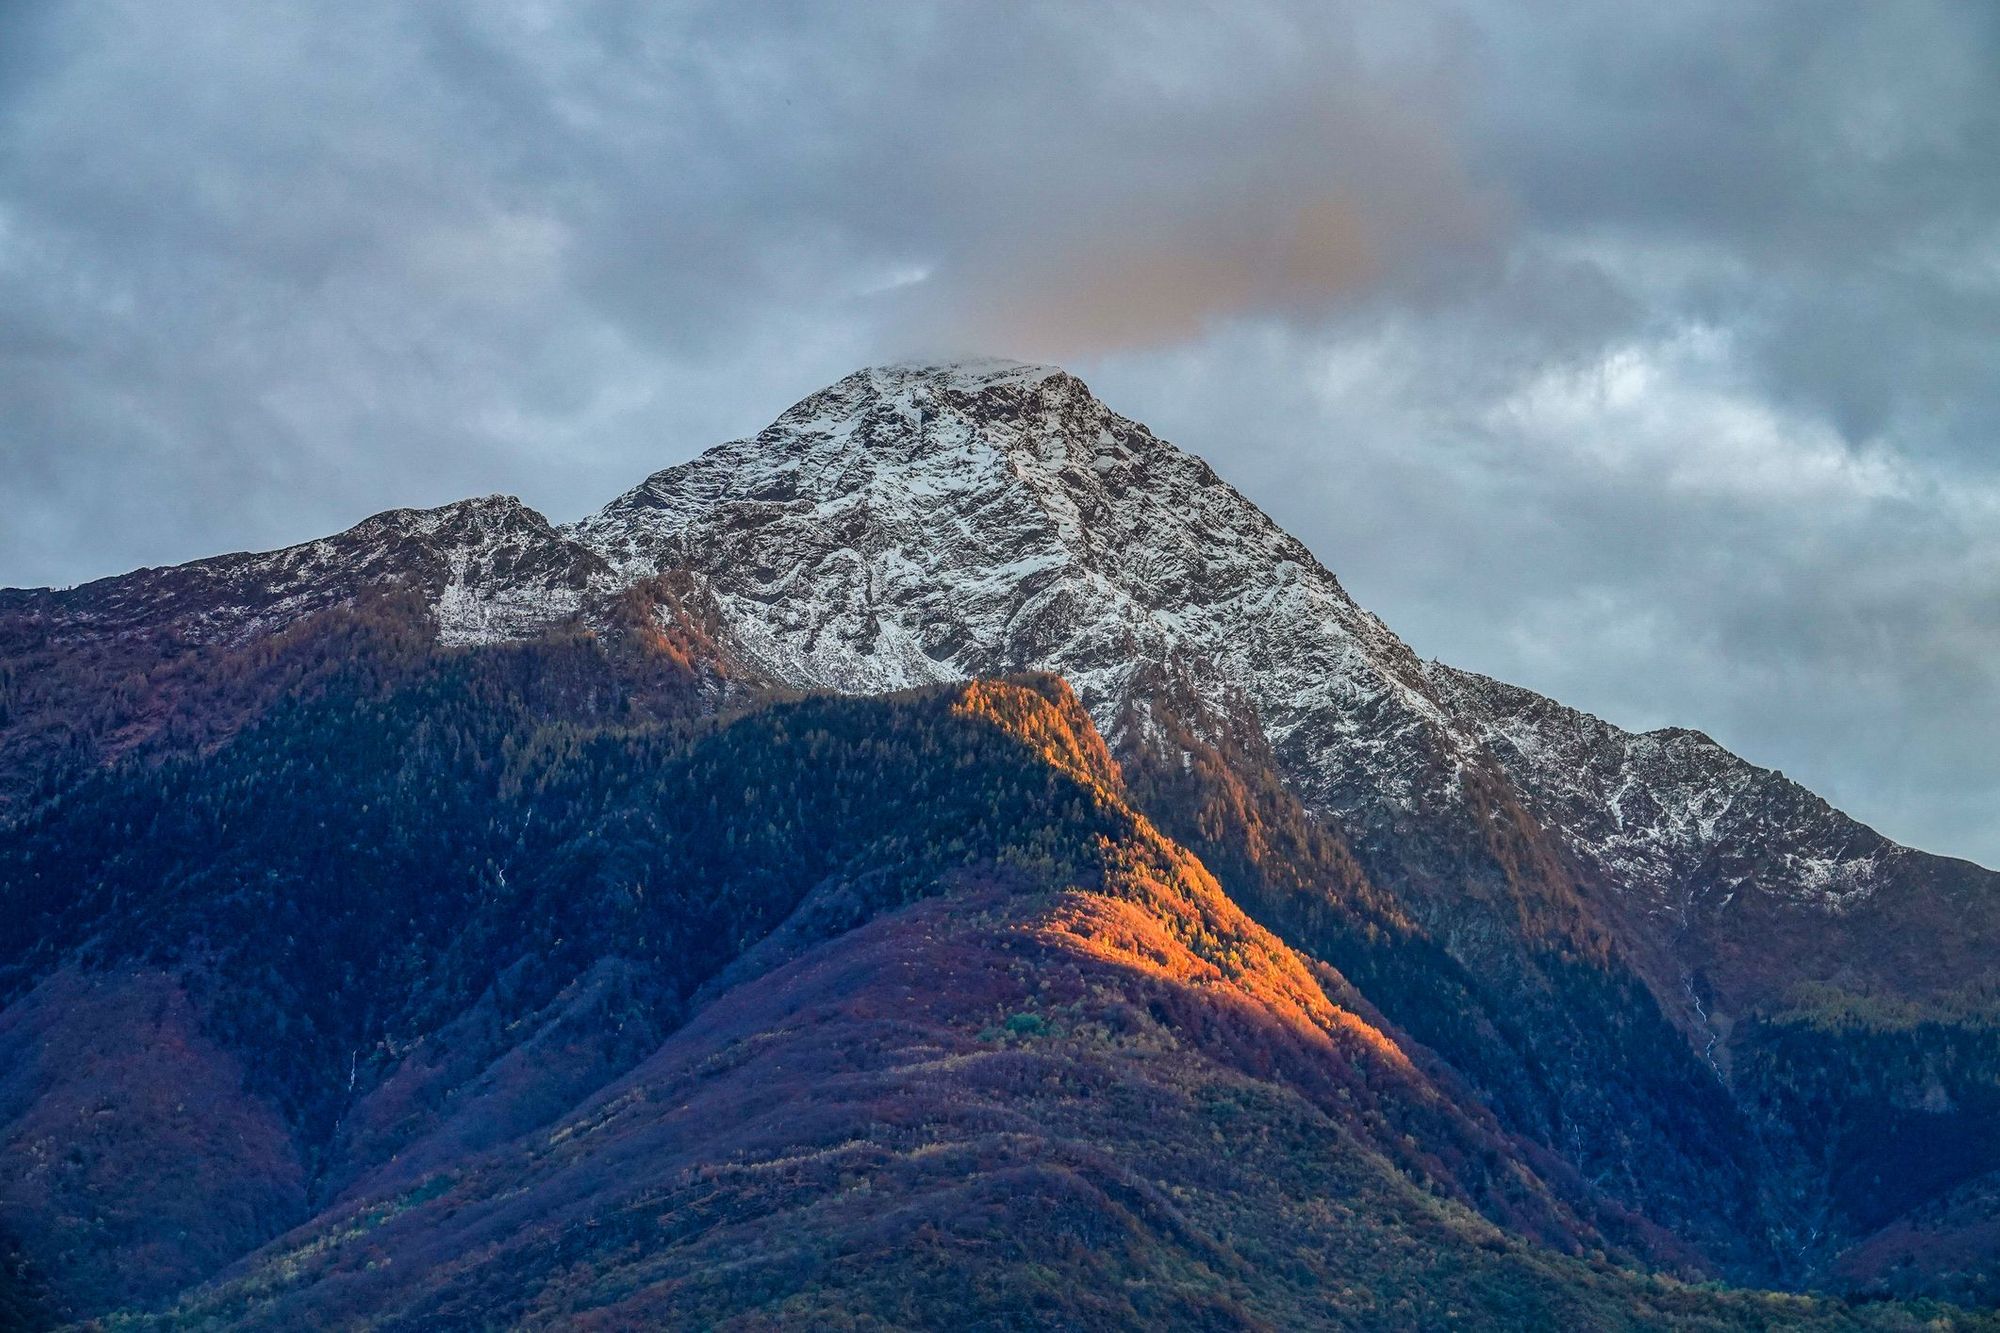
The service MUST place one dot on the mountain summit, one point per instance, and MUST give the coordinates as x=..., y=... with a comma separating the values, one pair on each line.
x=450, y=840
x=916, y=523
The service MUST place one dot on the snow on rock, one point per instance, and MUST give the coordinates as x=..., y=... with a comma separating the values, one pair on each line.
x=922, y=522
x=1668, y=814
x=491, y=569
x=925, y=522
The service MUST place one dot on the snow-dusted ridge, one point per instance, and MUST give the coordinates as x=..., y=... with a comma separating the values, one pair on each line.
x=491, y=568
x=930, y=521
x=1667, y=813
x=922, y=521
x=919, y=522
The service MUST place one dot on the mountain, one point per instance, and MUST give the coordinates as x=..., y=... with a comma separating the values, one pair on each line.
x=1719, y=852
x=920, y=523
x=551, y=922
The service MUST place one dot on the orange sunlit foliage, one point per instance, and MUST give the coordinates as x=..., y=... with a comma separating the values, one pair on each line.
x=1161, y=911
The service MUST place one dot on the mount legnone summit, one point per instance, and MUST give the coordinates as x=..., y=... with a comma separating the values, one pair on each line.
x=1683, y=984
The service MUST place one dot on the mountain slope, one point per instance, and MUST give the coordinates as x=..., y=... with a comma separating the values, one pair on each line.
x=418, y=838
x=1722, y=853
x=92, y=672
x=1019, y=1055
x=921, y=522
x=423, y=1008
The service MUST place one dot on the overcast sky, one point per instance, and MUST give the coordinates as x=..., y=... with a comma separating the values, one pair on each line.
x=1644, y=354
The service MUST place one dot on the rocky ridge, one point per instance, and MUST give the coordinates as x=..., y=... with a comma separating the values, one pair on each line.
x=919, y=523
x=1668, y=815
x=491, y=568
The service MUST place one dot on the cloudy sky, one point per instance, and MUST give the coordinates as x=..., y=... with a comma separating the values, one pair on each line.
x=1644, y=354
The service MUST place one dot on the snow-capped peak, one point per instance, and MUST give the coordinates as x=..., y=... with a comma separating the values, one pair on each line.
x=965, y=374
x=924, y=522
x=928, y=521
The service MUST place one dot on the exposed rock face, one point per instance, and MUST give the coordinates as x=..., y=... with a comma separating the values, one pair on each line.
x=918, y=523
x=1669, y=815
x=492, y=570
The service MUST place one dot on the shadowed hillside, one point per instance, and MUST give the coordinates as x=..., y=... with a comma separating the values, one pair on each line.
x=977, y=1039
x=817, y=1009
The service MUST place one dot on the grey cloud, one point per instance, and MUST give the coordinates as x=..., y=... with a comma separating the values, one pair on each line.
x=1827, y=176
